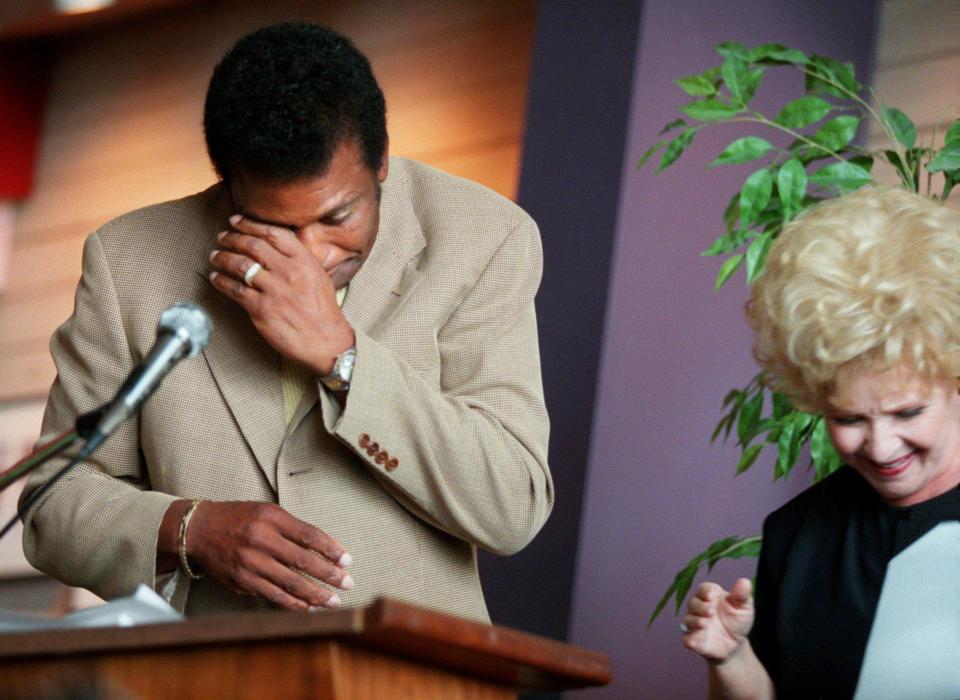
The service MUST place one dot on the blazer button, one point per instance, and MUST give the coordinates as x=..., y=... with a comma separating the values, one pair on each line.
x=364, y=440
x=381, y=457
x=373, y=448
x=392, y=464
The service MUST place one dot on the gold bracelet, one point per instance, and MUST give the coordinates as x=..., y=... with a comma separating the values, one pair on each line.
x=182, y=542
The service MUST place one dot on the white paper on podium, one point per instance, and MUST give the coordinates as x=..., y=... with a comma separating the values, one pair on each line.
x=142, y=608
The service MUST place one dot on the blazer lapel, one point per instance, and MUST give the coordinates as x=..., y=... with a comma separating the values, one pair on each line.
x=388, y=277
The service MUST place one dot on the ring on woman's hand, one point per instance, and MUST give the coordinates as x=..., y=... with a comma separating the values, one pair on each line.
x=684, y=628
x=251, y=273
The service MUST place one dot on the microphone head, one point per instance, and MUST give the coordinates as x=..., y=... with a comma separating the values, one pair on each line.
x=188, y=321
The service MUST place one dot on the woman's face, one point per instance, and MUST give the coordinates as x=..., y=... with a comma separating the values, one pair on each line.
x=898, y=432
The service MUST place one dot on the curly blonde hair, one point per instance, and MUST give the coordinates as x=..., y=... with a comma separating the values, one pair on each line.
x=870, y=276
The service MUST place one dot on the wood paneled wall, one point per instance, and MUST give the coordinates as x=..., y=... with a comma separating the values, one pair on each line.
x=918, y=68
x=123, y=127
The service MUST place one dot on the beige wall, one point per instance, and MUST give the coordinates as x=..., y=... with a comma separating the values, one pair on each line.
x=122, y=127
x=917, y=68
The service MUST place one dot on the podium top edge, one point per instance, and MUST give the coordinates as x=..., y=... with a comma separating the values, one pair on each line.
x=493, y=652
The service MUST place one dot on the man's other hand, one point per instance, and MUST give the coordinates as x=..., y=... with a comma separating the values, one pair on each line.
x=259, y=549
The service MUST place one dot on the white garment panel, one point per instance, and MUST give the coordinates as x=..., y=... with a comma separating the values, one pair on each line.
x=914, y=647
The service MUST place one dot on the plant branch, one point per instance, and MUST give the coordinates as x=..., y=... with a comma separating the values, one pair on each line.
x=760, y=119
x=897, y=146
x=879, y=118
x=853, y=96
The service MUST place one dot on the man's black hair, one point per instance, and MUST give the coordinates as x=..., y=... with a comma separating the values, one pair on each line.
x=284, y=98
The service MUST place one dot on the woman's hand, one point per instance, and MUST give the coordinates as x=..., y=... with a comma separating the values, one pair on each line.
x=718, y=621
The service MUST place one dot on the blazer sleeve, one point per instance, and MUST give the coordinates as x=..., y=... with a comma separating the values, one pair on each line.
x=97, y=526
x=471, y=458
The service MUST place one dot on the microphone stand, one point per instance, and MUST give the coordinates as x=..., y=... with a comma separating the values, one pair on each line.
x=84, y=428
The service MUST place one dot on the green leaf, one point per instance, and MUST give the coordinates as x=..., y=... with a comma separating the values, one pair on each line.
x=804, y=423
x=914, y=157
x=676, y=147
x=750, y=85
x=735, y=397
x=777, y=53
x=903, y=170
x=767, y=425
x=951, y=180
x=757, y=255
x=754, y=195
x=844, y=73
x=864, y=161
x=903, y=129
x=808, y=154
x=947, y=158
x=729, y=266
x=748, y=457
x=803, y=112
x=670, y=126
x=726, y=548
x=829, y=76
x=845, y=177
x=788, y=448
x=792, y=186
x=732, y=397
x=723, y=426
x=740, y=79
x=742, y=150
x=749, y=416
x=697, y=85
x=819, y=439
x=781, y=405
x=726, y=243
x=732, y=212
x=822, y=453
x=649, y=152
x=953, y=133
x=733, y=48
x=721, y=246
x=745, y=547
x=709, y=110
x=837, y=132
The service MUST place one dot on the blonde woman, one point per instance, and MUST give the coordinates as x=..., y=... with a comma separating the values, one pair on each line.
x=857, y=316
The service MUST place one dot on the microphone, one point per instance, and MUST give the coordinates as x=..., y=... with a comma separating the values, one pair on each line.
x=183, y=331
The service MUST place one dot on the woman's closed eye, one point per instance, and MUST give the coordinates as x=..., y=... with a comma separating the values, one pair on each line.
x=908, y=413
x=845, y=419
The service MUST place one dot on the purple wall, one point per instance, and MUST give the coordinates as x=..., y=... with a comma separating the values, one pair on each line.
x=656, y=491
x=577, y=124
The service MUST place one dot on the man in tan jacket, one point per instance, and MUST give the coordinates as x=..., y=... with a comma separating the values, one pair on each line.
x=369, y=410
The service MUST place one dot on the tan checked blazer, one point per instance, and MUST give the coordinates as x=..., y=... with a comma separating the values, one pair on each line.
x=447, y=382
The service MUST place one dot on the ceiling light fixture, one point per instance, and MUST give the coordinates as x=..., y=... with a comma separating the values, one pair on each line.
x=76, y=7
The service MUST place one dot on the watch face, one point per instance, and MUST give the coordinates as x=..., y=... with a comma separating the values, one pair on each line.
x=339, y=377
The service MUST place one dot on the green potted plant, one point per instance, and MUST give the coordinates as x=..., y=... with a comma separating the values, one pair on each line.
x=820, y=158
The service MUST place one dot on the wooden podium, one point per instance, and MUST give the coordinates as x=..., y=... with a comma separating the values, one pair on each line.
x=387, y=650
